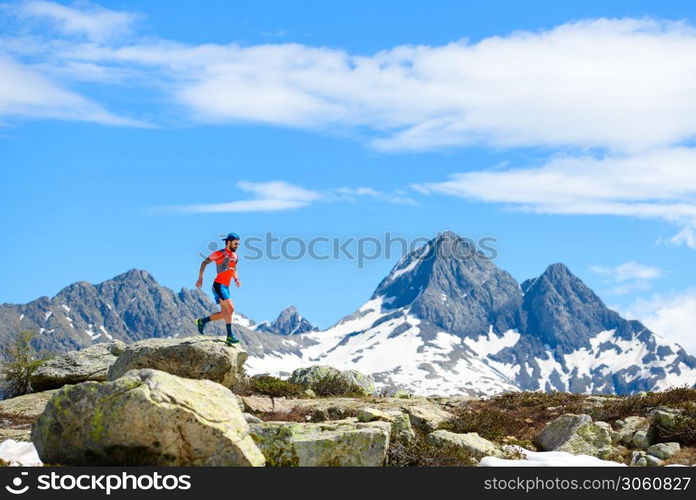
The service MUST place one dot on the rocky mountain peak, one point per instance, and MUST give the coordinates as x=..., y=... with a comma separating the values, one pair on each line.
x=562, y=310
x=449, y=283
x=288, y=322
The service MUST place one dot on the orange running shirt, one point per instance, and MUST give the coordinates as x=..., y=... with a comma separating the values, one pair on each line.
x=226, y=262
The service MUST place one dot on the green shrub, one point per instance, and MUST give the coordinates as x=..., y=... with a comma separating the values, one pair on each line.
x=22, y=361
x=275, y=387
x=683, y=432
x=420, y=453
x=641, y=404
x=518, y=414
x=336, y=385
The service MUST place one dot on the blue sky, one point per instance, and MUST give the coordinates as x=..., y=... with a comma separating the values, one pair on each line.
x=133, y=133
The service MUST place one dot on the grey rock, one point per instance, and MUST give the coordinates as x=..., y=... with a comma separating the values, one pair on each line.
x=16, y=414
x=340, y=443
x=318, y=378
x=653, y=461
x=576, y=434
x=638, y=459
x=630, y=426
x=402, y=432
x=91, y=363
x=426, y=418
x=191, y=357
x=251, y=419
x=640, y=440
x=371, y=414
x=145, y=417
x=664, y=450
x=257, y=404
x=468, y=444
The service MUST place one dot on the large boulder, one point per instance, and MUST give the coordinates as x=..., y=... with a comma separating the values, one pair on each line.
x=74, y=367
x=329, y=381
x=145, y=417
x=191, y=357
x=576, y=434
x=469, y=444
x=339, y=443
x=17, y=414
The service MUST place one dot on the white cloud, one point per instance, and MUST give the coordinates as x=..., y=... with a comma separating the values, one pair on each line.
x=280, y=195
x=628, y=277
x=355, y=194
x=686, y=236
x=628, y=271
x=672, y=316
x=26, y=93
x=94, y=22
x=620, y=84
x=269, y=197
x=658, y=184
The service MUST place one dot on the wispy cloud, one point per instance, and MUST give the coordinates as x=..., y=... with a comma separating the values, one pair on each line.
x=600, y=83
x=281, y=195
x=355, y=194
x=672, y=316
x=26, y=93
x=90, y=20
x=611, y=86
x=657, y=184
x=628, y=277
x=267, y=197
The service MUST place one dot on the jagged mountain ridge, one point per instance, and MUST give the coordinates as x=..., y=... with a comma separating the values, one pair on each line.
x=434, y=325
x=438, y=324
x=129, y=307
x=288, y=322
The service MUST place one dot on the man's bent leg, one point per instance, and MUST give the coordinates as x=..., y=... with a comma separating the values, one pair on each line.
x=228, y=311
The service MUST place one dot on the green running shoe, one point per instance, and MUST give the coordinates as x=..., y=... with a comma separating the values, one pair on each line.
x=231, y=340
x=200, y=325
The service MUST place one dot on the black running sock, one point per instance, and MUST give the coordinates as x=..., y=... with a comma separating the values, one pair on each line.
x=229, y=330
x=205, y=320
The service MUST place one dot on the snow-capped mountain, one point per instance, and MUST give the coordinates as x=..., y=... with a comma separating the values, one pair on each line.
x=446, y=320
x=288, y=322
x=129, y=307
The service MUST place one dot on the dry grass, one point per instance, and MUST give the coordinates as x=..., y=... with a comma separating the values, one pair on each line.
x=519, y=415
x=622, y=407
x=420, y=453
x=9, y=420
x=297, y=414
x=266, y=385
x=686, y=456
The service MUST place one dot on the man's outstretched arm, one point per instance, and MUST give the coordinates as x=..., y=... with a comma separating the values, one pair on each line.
x=199, y=283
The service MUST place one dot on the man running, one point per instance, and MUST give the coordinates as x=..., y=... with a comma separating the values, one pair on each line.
x=226, y=261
